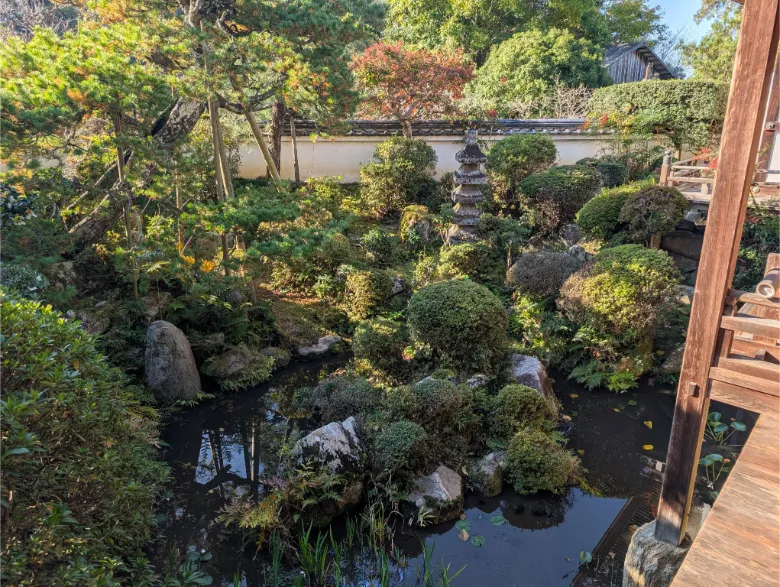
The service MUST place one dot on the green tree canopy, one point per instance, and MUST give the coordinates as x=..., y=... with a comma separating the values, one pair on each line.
x=525, y=67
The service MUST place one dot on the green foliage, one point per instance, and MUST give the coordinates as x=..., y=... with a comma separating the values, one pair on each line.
x=617, y=301
x=474, y=260
x=557, y=194
x=77, y=454
x=652, y=211
x=535, y=462
x=462, y=322
x=253, y=368
x=526, y=66
x=712, y=56
x=600, y=216
x=540, y=332
x=338, y=398
x=515, y=157
x=515, y=408
x=506, y=235
x=400, y=445
x=400, y=173
x=614, y=172
x=688, y=113
x=380, y=246
x=759, y=238
x=366, y=292
x=23, y=280
x=381, y=342
x=542, y=273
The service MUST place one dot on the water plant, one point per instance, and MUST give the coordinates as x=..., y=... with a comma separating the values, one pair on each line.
x=720, y=432
x=714, y=466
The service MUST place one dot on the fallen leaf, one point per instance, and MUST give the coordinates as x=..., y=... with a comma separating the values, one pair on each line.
x=632, y=402
x=649, y=424
x=616, y=410
x=647, y=447
x=582, y=452
x=574, y=395
x=566, y=418
x=726, y=460
x=463, y=516
x=463, y=535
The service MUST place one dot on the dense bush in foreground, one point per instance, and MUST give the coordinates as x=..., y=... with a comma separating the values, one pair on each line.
x=600, y=217
x=79, y=476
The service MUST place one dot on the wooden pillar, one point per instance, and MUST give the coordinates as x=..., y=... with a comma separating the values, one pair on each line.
x=768, y=136
x=666, y=168
x=753, y=66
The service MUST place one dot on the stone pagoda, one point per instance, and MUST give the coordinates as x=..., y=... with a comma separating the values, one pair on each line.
x=467, y=194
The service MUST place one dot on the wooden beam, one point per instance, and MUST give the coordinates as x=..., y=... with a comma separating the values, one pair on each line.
x=768, y=136
x=765, y=327
x=755, y=59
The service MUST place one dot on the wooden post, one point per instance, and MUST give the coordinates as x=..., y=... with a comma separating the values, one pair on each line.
x=753, y=66
x=294, y=141
x=768, y=136
x=666, y=167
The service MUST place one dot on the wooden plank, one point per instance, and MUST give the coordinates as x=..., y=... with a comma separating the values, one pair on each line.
x=756, y=53
x=752, y=348
x=739, y=544
x=753, y=298
x=690, y=179
x=742, y=397
x=768, y=136
x=752, y=367
x=749, y=381
x=752, y=325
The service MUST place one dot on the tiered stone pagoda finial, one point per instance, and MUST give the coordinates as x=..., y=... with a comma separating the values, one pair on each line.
x=469, y=179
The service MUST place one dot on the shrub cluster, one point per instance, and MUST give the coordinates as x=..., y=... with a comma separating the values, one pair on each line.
x=614, y=172
x=400, y=173
x=556, y=195
x=380, y=246
x=400, y=446
x=366, y=292
x=517, y=407
x=475, y=260
x=381, y=342
x=514, y=158
x=534, y=462
x=338, y=398
x=600, y=217
x=461, y=321
x=541, y=273
x=77, y=452
x=653, y=210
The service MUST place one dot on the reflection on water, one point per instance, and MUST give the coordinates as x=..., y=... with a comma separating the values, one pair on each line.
x=227, y=446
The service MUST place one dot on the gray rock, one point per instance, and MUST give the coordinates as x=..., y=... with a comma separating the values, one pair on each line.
x=155, y=303
x=579, y=253
x=650, y=562
x=399, y=285
x=280, y=356
x=335, y=445
x=693, y=215
x=233, y=364
x=323, y=346
x=62, y=275
x=570, y=233
x=170, y=366
x=686, y=294
x=210, y=344
x=477, y=380
x=687, y=225
x=685, y=264
x=486, y=475
x=673, y=362
x=441, y=493
x=529, y=371
x=683, y=242
x=97, y=320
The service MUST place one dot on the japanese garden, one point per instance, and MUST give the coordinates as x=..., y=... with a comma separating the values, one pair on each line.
x=378, y=292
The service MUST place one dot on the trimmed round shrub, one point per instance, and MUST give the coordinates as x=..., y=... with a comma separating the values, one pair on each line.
x=542, y=273
x=416, y=226
x=461, y=321
x=381, y=342
x=564, y=189
x=534, y=462
x=426, y=270
x=515, y=157
x=474, y=260
x=78, y=454
x=438, y=400
x=380, y=246
x=613, y=171
x=653, y=210
x=400, y=445
x=517, y=407
x=622, y=292
x=400, y=173
x=600, y=217
x=338, y=398
x=366, y=291
x=23, y=280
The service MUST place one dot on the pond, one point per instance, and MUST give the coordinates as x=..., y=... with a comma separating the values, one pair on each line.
x=221, y=447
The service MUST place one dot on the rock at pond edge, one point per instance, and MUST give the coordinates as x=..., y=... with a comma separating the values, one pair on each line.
x=486, y=475
x=170, y=366
x=650, y=562
x=335, y=445
x=441, y=493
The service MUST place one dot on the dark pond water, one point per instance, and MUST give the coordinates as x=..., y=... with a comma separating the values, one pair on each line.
x=219, y=449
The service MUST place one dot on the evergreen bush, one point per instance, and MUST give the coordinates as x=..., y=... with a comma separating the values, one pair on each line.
x=381, y=342
x=515, y=157
x=541, y=273
x=560, y=191
x=517, y=407
x=380, y=246
x=600, y=217
x=400, y=445
x=652, y=211
x=475, y=260
x=462, y=322
x=534, y=462
x=366, y=292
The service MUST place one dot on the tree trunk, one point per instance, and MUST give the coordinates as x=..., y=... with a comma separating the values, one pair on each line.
x=294, y=141
x=219, y=173
x=277, y=121
x=269, y=162
x=124, y=189
x=407, y=126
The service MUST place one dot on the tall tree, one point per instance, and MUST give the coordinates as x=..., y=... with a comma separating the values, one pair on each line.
x=404, y=83
x=712, y=58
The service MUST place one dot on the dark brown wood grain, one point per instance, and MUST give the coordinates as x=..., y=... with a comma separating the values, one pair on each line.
x=755, y=59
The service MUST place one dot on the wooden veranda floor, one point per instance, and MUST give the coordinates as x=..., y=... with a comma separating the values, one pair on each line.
x=739, y=544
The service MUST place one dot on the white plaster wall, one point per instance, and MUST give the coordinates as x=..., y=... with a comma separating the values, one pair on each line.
x=343, y=156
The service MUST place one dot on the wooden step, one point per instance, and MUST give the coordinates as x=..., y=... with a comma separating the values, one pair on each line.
x=765, y=327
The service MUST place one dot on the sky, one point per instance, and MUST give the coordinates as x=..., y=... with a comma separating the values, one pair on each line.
x=680, y=12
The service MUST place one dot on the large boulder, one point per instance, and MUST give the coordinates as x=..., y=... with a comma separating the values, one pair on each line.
x=486, y=475
x=170, y=366
x=650, y=562
x=62, y=275
x=683, y=242
x=335, y=445
x=440, y=494
x=323, y=346
x=529, y=371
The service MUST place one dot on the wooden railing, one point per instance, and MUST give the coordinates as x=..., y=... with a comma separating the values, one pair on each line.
x=693, y=177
